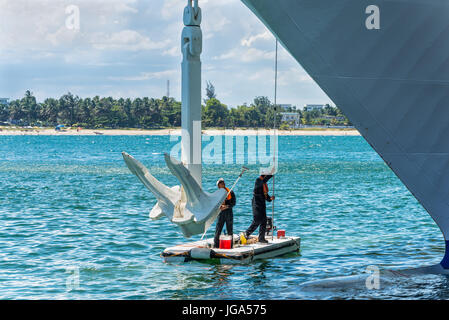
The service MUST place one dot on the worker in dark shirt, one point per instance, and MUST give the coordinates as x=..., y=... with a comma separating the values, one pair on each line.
x=260, y=196
x=226, y=215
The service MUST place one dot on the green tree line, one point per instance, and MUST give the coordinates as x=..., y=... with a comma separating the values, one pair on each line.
x=149, y=113
x=328, y=116
x=94, y=112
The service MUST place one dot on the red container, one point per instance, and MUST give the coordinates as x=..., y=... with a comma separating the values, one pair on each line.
x=281, y=233
x=225, y=242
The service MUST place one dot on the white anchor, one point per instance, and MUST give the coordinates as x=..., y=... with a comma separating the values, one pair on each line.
x=187, y=206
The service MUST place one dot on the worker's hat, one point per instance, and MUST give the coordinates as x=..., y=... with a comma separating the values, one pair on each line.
x=220, y=180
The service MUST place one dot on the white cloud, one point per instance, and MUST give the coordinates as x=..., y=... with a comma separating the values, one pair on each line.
x=248, y=41
x=62, y=36
x=233, y=53
x=125, y=40
x=172, y=8
x=265, y=73
x=173, y=51
x=254, y=54
x=146, y=76
x=216, y=25
x=38, y=24
x=293, y=75
x=246, y=55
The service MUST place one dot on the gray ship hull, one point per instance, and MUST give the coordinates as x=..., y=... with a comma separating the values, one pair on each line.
x=389, y=73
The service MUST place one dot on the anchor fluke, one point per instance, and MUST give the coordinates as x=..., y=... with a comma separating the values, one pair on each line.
x=189, y=207
x=167, y=197
x=198, y=202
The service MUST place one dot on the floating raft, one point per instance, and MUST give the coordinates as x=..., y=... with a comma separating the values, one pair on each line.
x=203, y=250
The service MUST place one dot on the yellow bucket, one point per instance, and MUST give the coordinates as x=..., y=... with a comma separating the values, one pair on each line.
x=242, y=239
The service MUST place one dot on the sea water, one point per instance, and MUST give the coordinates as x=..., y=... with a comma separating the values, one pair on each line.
x=74, y=223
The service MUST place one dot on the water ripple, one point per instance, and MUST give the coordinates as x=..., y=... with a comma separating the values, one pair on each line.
x=70, y=203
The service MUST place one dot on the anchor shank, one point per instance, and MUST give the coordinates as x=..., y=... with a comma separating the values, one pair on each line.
x=191, y=91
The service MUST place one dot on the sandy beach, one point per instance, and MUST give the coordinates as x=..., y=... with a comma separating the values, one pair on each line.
x=4, y=131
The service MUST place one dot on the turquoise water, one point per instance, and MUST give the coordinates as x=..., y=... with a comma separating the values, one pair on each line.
x=70, y=203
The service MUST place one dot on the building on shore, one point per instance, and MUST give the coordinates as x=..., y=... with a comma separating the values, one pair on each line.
x=4, y=101
x=286, y=107
x=293, y=119
x=312, y=107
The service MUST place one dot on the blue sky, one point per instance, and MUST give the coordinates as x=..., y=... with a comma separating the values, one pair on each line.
x=130, y=48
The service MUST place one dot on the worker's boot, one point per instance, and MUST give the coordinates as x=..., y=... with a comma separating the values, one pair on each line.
x=262, y=241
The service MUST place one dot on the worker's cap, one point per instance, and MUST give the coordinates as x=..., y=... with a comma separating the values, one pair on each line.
x=219, y=180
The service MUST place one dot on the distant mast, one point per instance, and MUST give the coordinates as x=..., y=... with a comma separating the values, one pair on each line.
x=168, y=88
x=191, y=46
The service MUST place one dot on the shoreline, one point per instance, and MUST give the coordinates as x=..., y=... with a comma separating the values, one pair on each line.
x=166, y=132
